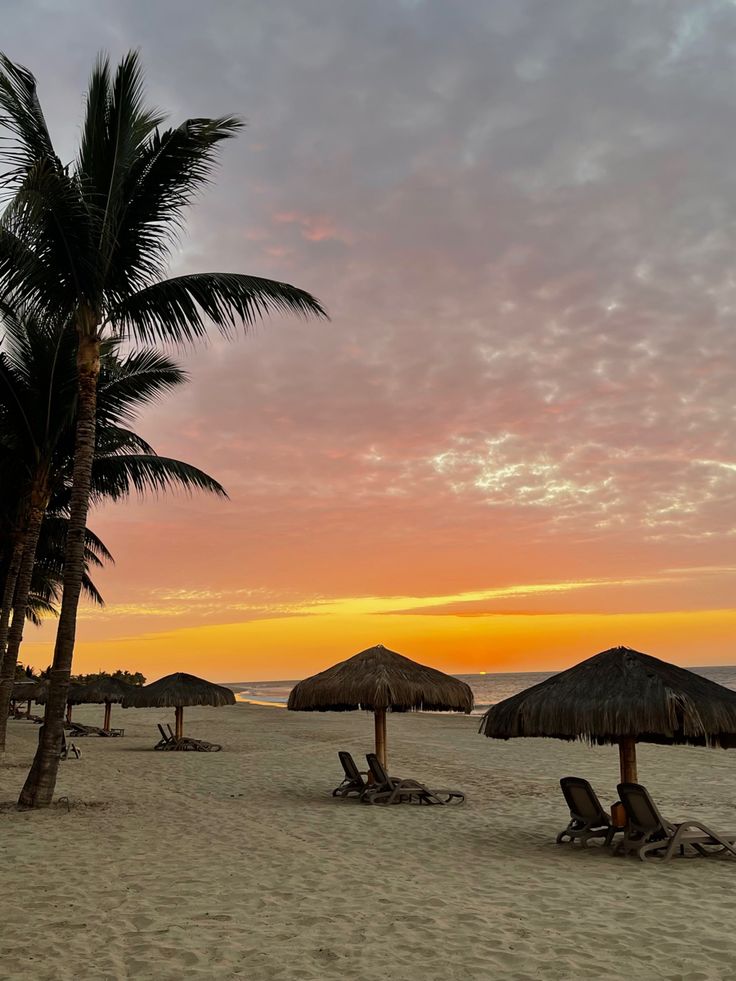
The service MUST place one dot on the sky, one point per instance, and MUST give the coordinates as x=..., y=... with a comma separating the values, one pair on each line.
x=513, y=444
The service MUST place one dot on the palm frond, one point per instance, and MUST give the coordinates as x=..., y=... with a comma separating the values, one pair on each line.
x=26, y=278
x=22, y=117
x=114, y=440
x=117, y=125
x=117, y=477
x=170, y=169
x=178, y=310
x=53, y=543
x=91, y=591
x=96, y=551
x=141, y=378
x=38, y=608
x=48, y=213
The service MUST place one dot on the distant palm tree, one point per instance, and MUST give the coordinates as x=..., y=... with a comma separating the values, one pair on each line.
x=90, y=242
x=38, y=404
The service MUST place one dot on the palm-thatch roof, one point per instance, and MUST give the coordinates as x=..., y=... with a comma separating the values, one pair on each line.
x=102, y=690
x=379, y=679
x=71, y=696
x=176, y=690
x=620, y=694
x=29, y=691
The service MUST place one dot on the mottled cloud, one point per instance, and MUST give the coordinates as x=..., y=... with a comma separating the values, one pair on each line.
x=522, y=217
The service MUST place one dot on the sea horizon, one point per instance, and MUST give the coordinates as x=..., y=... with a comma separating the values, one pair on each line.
x=488, y=687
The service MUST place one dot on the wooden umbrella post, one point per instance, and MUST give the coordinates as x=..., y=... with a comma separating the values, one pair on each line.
x=380, y=721
x=68, y=711
x=106, y=723
x=179, y=725
x=627, y=759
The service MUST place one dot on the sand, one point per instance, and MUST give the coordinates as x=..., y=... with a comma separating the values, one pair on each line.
x=172, y=866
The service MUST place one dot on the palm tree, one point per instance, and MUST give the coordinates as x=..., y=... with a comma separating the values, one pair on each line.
x=48, y=571
x=37, y=424
x=90, y=241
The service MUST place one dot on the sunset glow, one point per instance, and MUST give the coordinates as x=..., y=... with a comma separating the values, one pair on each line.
x=513, y=445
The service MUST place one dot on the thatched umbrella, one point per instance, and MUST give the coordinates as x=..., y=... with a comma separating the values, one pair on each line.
x=71, y=697
x=379, y=680
x=620, y=696
x=28, y=691
x=175, y=691
x=103, y=690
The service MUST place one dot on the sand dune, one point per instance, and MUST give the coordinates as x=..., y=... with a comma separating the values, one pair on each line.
x=172, y=866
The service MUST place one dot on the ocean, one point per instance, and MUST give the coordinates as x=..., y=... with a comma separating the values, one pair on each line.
x=487, y=688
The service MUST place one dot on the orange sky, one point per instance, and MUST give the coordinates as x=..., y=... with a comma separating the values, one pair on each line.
x=514, y=443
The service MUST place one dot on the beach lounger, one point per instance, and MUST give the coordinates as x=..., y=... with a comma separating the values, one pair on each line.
x=185, y=744
x=353, y=782
x=68, y=749
x=79, y=729
x=164, y=740
x=648, y=834
x=395, y=790
x=587, y=817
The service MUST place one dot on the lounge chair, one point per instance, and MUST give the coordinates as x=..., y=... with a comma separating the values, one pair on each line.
x=164, y=740
x=187, y=743
x=649, y=834
x=68, y=749
x=184, y=743
x=79, y=729
x=587, y=817
x=353, y=782
x=395, y=790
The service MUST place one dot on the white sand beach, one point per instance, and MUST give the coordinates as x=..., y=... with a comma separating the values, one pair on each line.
x=173, y=866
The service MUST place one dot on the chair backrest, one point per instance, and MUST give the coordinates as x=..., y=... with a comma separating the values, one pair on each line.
x=641, y=811
x=171, y=734
x=163, y=734
x=377, y=769
x=348, y=764
x=582, y=800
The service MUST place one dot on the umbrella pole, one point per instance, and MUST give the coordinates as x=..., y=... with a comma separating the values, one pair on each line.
x=106, y=723
x=68, y=711
x=28, y=709
x=627, y=759
x=380, y=725
x=179, y=725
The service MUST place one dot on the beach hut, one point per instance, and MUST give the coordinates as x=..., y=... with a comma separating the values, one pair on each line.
x=379, y=680
x=624, y=697
x=103, y=690
x=175, y=691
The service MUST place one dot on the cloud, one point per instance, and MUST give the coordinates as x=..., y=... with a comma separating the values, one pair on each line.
x=522, y=217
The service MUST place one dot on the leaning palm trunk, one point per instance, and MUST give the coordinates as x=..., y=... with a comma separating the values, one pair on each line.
x=39, y=500
x=38, y=789
x=11, y=578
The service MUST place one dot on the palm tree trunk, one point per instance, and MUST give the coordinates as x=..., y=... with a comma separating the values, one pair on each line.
x=11, y=578
x=39, y=500
x=38, y=789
